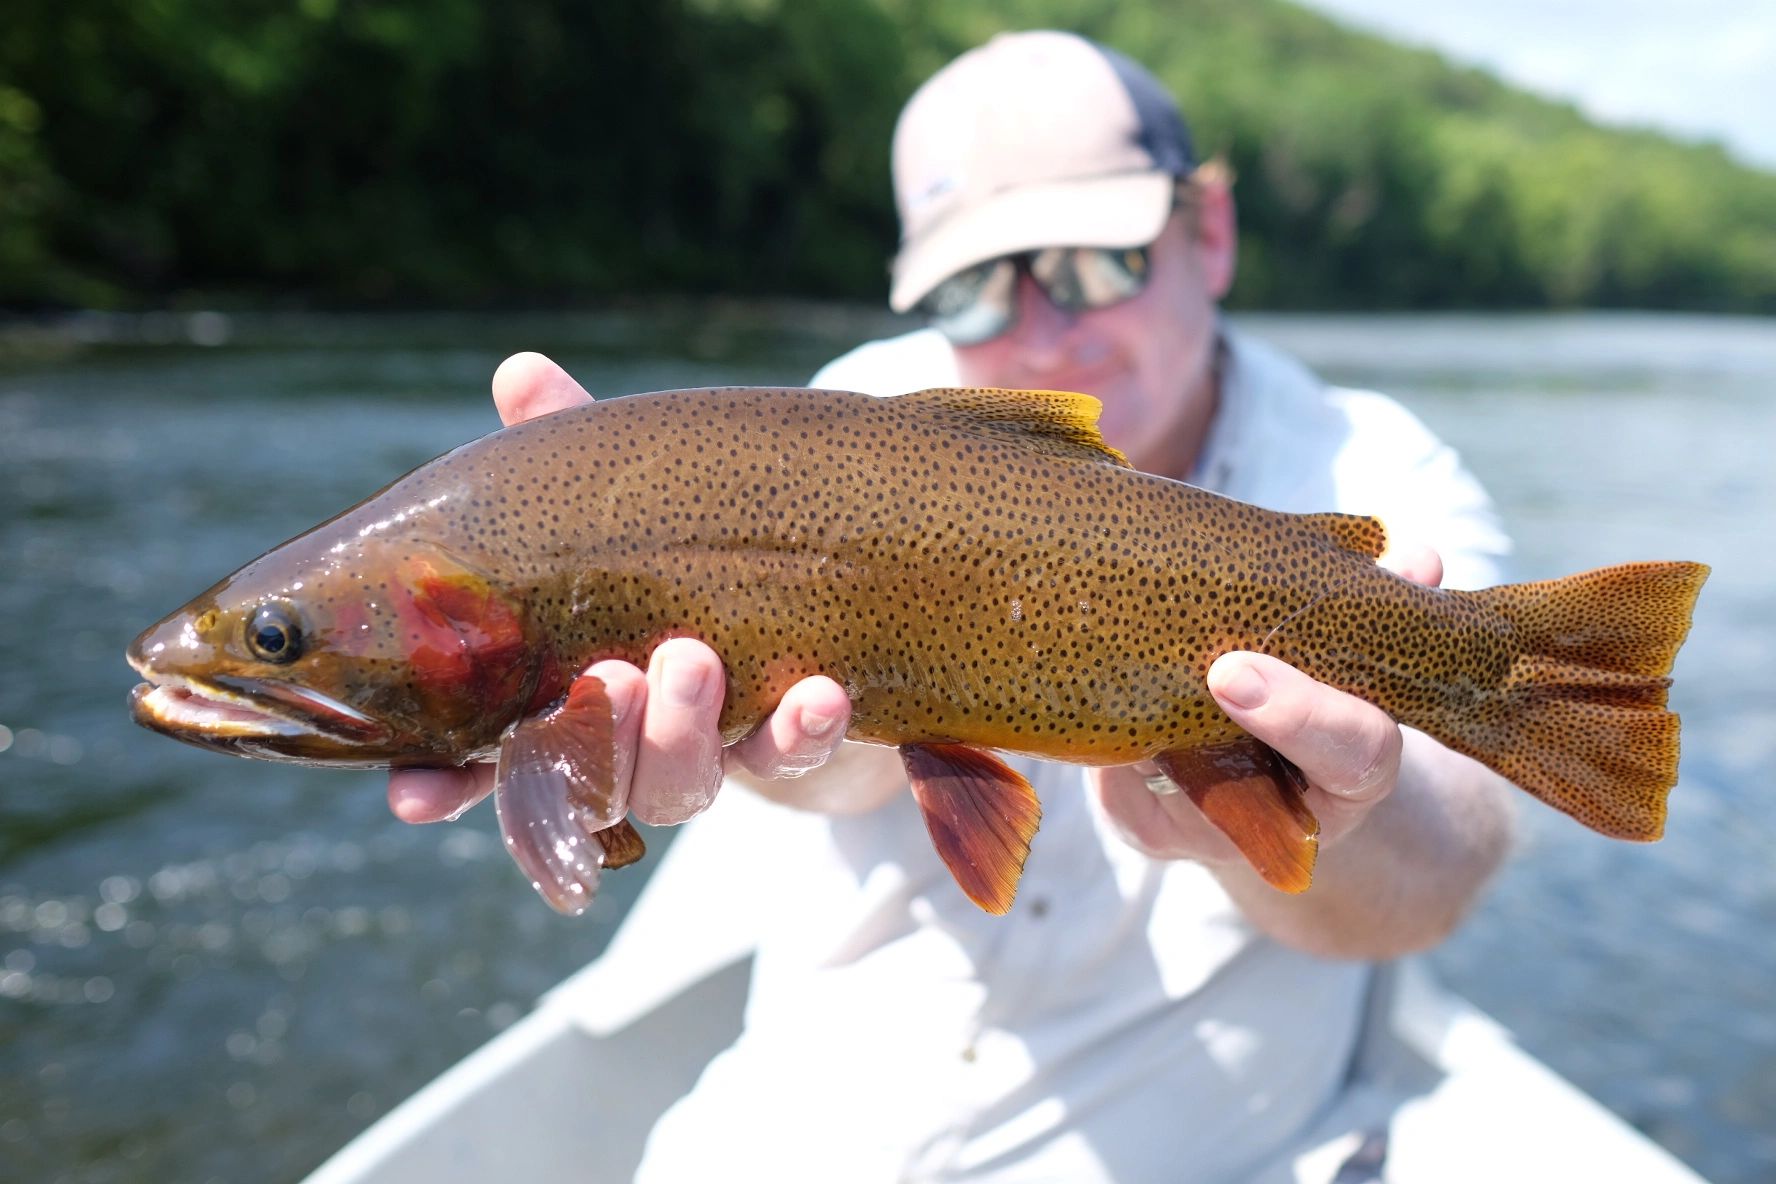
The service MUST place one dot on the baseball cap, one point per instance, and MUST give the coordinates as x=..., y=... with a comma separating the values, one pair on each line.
x=1032, y=140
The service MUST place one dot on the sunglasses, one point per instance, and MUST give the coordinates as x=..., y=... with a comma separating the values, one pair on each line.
x=977, y=305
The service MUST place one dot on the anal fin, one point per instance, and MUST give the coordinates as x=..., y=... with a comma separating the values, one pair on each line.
x=981, y=814
x=1257, y=799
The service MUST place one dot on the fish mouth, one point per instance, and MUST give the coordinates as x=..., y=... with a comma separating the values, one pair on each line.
x=247, y=713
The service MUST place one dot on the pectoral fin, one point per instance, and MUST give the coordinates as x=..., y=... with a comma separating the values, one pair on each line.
x=1257, y=799
x=981, y=815
x=559, y=800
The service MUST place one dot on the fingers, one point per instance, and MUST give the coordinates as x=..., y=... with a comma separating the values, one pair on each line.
x=678, y=764
x=668, y=741
x=1348, y=749
x=435, y=795
x=625, y=687
x=1415, y=562
x=679, y=759
x=528, y=385
x=1160, y=825
x=804, y=730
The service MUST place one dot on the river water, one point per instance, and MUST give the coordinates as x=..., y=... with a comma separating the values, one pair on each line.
x=219, y=970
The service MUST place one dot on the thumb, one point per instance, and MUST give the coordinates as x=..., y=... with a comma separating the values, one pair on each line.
x=1345, y=746
x=528, y=385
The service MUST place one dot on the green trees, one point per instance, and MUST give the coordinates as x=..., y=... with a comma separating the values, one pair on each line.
x=1374, y=175
x=546, y=151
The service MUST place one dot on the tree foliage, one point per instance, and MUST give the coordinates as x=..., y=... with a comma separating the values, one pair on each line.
x=545, y=151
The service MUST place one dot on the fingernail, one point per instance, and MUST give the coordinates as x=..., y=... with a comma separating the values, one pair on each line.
x=818, y=723
x=685, y=683
x=1244, y=688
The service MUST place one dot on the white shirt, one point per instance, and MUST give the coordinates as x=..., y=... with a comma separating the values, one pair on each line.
x=1123, y=1022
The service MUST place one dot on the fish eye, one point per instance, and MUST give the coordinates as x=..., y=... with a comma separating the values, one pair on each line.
x=273, y=635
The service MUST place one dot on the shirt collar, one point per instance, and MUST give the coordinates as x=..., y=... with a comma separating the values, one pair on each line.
x=1215, y=462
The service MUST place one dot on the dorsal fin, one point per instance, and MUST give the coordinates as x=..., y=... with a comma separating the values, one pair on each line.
x=1059, y=423
x=1353, y=532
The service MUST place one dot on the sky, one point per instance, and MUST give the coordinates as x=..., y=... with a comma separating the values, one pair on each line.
x=1698, y=69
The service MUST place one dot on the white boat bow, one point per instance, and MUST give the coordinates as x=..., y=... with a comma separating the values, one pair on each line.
x=1440, y=1093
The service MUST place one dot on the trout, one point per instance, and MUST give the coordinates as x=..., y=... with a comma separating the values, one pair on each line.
x=977, y=569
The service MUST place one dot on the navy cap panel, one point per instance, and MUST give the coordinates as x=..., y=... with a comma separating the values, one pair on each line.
x=1163, y=132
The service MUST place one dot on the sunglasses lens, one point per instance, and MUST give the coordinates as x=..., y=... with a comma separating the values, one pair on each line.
x=979, y=304
x=975, y=305
x=1080, y=278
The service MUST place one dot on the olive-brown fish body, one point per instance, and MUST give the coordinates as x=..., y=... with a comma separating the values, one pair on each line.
x=961, y=585
x=975, y=567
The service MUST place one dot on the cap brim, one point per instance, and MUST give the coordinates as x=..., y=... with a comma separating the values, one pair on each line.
x=1121, y=211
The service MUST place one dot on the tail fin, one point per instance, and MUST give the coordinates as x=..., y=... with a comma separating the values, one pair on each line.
x=1580, y=721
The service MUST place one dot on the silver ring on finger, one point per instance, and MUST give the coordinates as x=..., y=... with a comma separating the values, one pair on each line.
x=1161, y=785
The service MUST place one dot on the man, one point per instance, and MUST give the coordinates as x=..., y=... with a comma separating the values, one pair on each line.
x=1150, y=1009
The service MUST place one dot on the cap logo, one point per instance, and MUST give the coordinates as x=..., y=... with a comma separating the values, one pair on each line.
x=940, y=188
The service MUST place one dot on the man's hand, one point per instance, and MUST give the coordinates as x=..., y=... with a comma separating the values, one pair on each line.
x=666, y=716
x=1348, y=750
x=1409, y=831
